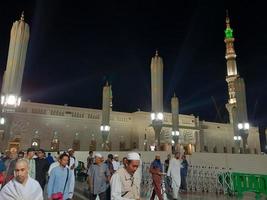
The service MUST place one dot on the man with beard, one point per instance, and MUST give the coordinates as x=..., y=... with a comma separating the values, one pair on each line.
x=124, y=185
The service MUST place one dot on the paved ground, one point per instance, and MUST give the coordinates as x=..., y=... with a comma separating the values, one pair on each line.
x=79, y=195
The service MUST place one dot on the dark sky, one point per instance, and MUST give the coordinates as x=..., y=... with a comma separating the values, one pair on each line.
x=76, y=46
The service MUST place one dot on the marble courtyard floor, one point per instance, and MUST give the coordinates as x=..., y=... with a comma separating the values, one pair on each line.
x=81, y=186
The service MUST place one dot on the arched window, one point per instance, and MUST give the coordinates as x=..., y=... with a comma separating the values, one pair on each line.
x=55, y=142
x=224, y=149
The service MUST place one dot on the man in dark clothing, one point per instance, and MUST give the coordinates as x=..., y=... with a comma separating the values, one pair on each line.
x=49, y=159
x=42, y=167
x=90, y=159
x=156, y=172
x=184, y=169
x=167, y=162
x=111, y=170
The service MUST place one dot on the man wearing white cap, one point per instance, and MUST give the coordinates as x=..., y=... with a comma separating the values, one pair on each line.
x=123, y=184
x=116, y=162
x=174, y=173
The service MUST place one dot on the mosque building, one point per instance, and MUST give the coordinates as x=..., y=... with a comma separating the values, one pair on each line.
x=58, y=127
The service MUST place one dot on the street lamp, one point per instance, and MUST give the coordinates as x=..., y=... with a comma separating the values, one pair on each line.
x=237, y=138
x=156, y=116
x=242, y=134
x=157, y=121
x=10, y=100
x=2, y=120
x=105, y=128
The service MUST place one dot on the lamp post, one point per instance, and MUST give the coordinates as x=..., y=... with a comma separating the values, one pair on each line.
x=243, y=129
x=175, y=139
x=157, y=122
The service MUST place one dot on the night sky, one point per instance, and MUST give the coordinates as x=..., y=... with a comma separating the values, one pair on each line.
x=75, y=47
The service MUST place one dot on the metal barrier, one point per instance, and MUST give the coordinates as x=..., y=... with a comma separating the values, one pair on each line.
x=249, y=183
x=209, y=179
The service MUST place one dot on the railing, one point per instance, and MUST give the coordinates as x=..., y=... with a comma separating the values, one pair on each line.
x=243, y=182
x=199, y=179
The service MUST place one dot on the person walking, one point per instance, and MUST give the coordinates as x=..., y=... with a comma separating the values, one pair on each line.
x=111, y=170
x=22, y=186
x=73, y=164
x=49, y=159
x=184, y=169
x=42, y=167
x=31, y=160
x=124, y=185
x=90, y=159
x=156, y=171
x=98, y=179
x=116, y=163
x=167, y=162
x=59, y=180
x=10, y=163
x=174, y=174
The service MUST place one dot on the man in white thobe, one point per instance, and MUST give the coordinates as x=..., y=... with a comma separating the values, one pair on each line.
x=139, y=172
x=124, y=185
x=174, y=173
x=22, y=187
x=73, y=164
x=116, y=163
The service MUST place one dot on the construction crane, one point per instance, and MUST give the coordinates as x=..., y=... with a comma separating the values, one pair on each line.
x=217, y=109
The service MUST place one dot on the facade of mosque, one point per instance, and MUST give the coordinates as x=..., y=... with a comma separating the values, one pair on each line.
x=55, y=127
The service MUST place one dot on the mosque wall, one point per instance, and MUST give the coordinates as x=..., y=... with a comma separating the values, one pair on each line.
x=128, y=130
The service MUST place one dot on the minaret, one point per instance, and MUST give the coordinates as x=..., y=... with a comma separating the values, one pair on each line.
x=175, y=119
x=157, y=95
x=236, y=106
x=106, y=107
x=12, y=79
x=232, y=73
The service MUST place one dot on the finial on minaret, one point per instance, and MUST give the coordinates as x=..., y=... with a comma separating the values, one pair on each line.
x=107, y=83
x=227, y=20
x=228, y=31
x=174, y=95
x=22, y=16
x=157, y=53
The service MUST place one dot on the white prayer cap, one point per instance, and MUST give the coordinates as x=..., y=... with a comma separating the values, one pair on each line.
x=116, y=155
x=98, y=155
x=133, y=156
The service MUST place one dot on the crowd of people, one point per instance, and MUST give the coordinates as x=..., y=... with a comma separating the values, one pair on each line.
x=25, y=175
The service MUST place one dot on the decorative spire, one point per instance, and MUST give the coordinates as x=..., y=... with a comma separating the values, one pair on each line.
x=157, y=53
x=227, y=20
x=174, y=95
x=228, y=31
x=22, y=16
x=107, y=83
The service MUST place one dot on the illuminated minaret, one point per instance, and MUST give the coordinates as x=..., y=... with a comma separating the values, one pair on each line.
x=175, y=119
x=157, y=95
x=236, y=106
x=106, y=108
x=232, y=73
x=12, y=79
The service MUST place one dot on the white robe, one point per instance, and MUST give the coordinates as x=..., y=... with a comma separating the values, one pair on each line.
x=52, y=166
x=14, y=190
x=138, y=173
x=72, y=180
x=174, y=173
x=116, y=165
